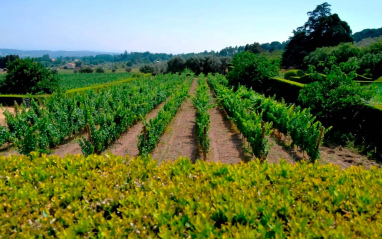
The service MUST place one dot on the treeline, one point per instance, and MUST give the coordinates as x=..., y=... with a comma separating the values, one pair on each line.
x=139, y=58
x=367, y=33
x=197, y=64
x=4, y=60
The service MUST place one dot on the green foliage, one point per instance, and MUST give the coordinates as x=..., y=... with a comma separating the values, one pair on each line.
x=247, y=121
x=251, y=70
x=202, y=103
x=4, y=135
x=8, y=58
x=334, y=92
x=122, y=197
x=176, y=64
x=134, y=103
x=296, y=122
x=72, y=81
x=27, y=76
x=290, y=73
x=367, y=33
x=156, y=127
x=100, y=70
x=86, y=70
x=322, y=29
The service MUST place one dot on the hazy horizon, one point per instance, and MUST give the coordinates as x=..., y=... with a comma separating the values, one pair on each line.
x=167, y=26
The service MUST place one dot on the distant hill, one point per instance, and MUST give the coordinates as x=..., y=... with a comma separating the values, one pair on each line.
x=368, y=41
x=52, y=54
x=367, y=33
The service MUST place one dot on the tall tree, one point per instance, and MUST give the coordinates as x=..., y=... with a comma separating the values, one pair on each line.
x=322, y=29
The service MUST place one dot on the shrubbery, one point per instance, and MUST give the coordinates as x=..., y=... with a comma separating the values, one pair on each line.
x=337, y=91
x=122, y=197
x=28, y=76
x=251, y=70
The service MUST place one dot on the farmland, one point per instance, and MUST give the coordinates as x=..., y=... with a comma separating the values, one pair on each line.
x=263, y=140
x=136, y=134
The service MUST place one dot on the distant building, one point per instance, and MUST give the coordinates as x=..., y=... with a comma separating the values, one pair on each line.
x=70, y=65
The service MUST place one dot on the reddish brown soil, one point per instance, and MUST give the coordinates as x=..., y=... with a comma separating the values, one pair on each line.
x=71, y=146
x=336, y=155
x=180, y=136
x=2, y=116
x=127, y=144
x=226, y=145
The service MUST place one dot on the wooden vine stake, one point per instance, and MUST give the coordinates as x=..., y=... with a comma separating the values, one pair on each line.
x=262, y=138
x=320, y=137
x=145, y=134
x=89, y=133
x=205, y=143
x=263, y=129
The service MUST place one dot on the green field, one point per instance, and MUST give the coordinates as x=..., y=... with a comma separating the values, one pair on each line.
x=72, y=81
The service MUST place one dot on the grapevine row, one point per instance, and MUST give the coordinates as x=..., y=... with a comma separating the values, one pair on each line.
x=248, y=122
x=300, y=124
x=202, y=104
x=46, y=126
x=154, y=129
x=115, y=122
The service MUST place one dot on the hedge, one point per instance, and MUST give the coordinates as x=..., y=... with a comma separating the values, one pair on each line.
x=122, y=197
x=292, y=73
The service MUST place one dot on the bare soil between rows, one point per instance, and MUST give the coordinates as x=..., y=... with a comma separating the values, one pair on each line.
x=127, y=144
x=226, y=145
x=180, y=136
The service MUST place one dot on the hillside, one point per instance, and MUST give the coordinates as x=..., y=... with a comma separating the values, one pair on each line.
x=367, y=33
x=53, y=54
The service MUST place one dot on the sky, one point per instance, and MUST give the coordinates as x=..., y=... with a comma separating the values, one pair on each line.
x=166, y=26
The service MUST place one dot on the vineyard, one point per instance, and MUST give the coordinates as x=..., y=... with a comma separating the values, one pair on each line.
x=73, y=81
x=231, y=132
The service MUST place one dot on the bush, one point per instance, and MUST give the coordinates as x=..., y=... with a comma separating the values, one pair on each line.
x=86, y=70
x=128, y=69
x=28, y=76
x=251, y=70
x=176, y=64
x=122, y=197
x=293, y=73
x=337, y=91
x=100, y=70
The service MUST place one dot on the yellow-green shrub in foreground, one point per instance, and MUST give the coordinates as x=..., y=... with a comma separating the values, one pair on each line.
x=125, y=197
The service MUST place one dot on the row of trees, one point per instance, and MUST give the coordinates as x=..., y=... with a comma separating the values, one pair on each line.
x=4, y=60
x=197, y=64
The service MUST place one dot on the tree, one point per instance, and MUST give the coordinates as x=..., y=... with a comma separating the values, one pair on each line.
x=322, y=29
x=254, y=48
x=4, y=60
x=212, y=64
x=86, y=70
x=100, y=70
x=195, y=63
x=176, y=64
x=28, y=76
x=251, y=70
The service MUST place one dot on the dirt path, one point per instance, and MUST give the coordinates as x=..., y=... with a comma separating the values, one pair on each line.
x=180, y=136
x=333, y=154
x=127, y=144
x=226, y=145
x=71, y=146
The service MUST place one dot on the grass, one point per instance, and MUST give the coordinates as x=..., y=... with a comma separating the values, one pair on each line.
x=288, y=82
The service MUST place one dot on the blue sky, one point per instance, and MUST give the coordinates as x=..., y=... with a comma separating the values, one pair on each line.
x=170, y=26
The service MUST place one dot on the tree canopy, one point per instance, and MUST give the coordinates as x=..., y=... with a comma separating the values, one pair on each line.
x=322, y=29
x=28, y=76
